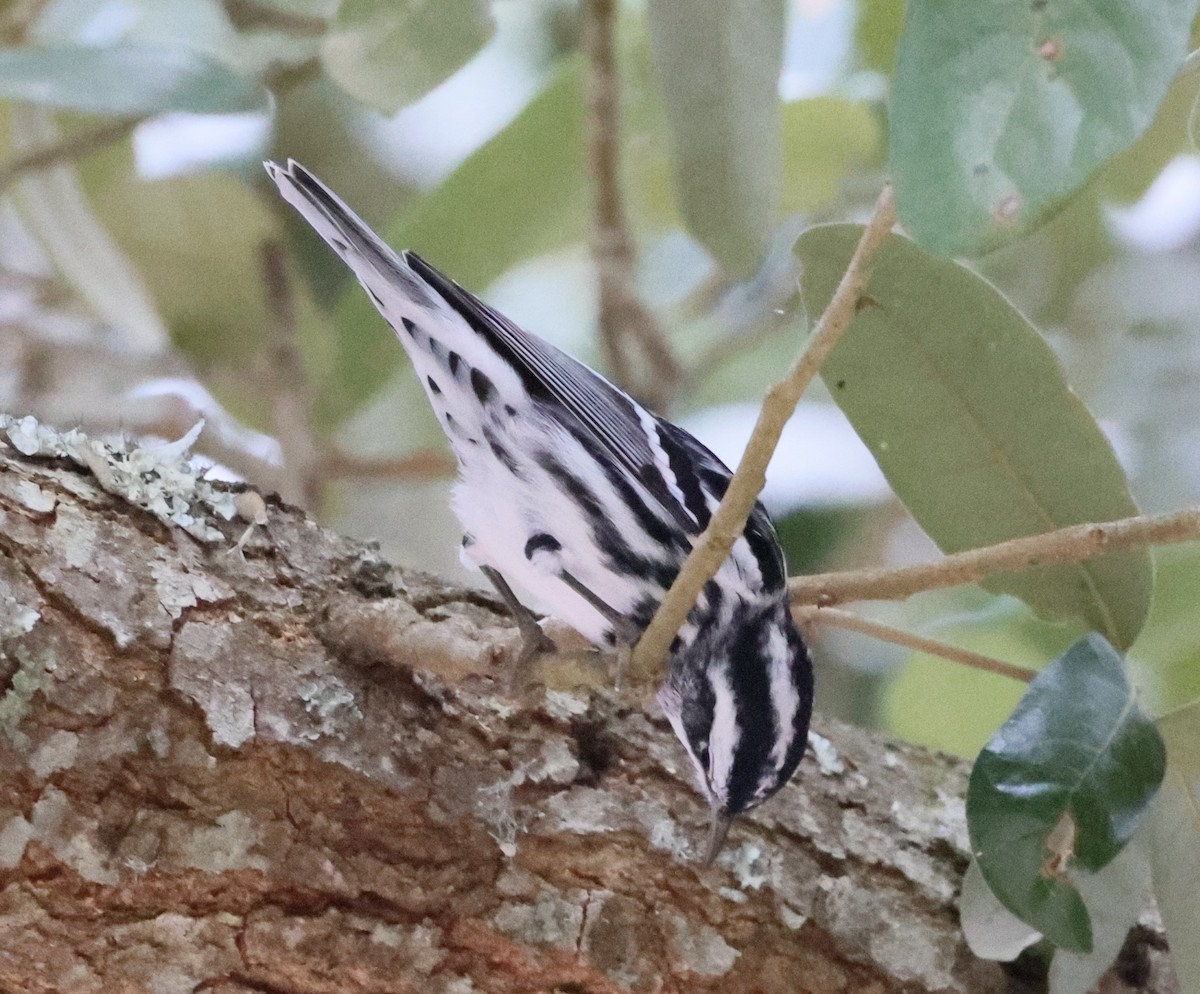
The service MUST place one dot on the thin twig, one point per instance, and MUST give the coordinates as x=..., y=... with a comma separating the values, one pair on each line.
x=1073, y=544
x=714, y=545
x=76, y=146
x=288, y=385
x=838, y=618
x=622, y=316
x=424, y=464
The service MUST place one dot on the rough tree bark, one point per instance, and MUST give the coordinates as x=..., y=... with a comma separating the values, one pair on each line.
x=292, y=772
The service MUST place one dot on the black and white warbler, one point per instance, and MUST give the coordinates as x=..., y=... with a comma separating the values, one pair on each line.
x=580, y=496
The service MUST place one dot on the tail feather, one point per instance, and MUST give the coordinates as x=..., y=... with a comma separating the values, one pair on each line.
x=372, y=260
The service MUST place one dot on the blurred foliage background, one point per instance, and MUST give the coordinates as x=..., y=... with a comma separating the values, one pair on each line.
x=149, y=274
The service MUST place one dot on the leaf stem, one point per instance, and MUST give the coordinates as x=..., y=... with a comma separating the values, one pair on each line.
x=726, y=526
x=1073, y=544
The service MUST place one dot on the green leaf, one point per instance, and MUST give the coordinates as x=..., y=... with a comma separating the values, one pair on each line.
x=1001, y=110
x=718, y=65
x=125, y=80
x=1061, y=785
x=521, y=195
x=388, y=53
x=967, y=411
x=1173, y=830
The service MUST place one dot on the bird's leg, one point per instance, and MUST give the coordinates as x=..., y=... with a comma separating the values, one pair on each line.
x=625, y=631
x=533, y=639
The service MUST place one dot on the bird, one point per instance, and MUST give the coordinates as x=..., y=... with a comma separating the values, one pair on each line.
x=572, y=491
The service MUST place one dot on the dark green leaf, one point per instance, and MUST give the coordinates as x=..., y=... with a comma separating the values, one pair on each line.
x=125, y=79
x=1001, y=110
x=388, y=53
x=966, y=409
x=719, y=64
x=520, y=195
x=1063, y=783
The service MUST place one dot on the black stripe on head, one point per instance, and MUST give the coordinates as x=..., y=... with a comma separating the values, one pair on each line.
x=750, y=679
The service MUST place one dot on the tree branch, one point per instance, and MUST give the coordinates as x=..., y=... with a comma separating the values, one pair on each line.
x=295, y=771
x=812, y=614
x=1073, y=544
x=622, y=316
x=714, y=545
x=70, y=148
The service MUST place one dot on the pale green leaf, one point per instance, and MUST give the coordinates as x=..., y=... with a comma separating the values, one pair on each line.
x=967, y=411
x=1115, y=897
x=1173, y=830
x=125, y=80
x=388, y=53
x=991, y=930
x=1001, y=110
x=718, y=65
x=824, y=139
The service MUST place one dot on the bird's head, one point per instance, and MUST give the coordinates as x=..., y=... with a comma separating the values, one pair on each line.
x=739, y=699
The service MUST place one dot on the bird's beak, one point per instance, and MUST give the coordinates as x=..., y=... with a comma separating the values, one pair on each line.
x=721, y=820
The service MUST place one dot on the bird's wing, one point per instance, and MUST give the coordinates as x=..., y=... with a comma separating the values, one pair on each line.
x=627, y=433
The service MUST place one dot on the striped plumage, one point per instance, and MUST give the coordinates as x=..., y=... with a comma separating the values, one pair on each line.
x=584, y=499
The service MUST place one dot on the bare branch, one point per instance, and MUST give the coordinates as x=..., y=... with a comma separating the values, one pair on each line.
x=622, y=316
x=288, y=385
x=423, y=464
x=76, y=146
x=837, y=618
x=714, y=545
x=1073, y=544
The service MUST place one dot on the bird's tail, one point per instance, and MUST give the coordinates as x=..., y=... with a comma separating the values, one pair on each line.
x=379, y=268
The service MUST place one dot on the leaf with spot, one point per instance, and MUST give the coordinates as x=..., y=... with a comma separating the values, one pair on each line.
x=968, y=413
x=1000, y=111
x=1062, y=786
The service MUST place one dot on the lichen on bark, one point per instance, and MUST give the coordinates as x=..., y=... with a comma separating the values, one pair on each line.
x=300, y=770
